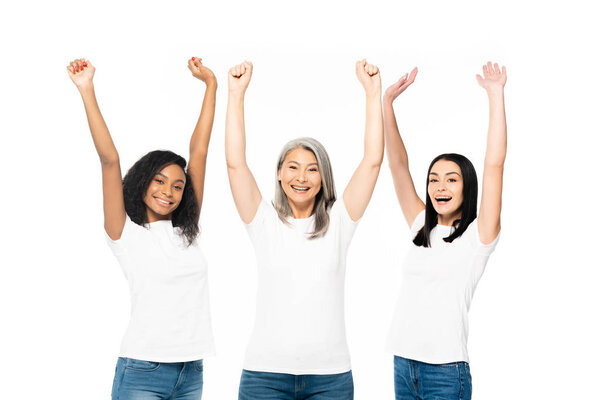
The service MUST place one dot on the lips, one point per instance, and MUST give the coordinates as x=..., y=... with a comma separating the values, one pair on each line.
x=443, y=199
x=163, y=203
x=300, y=189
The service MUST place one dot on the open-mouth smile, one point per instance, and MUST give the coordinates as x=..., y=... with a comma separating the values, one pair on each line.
x=443, y=199
x=163, y=203
x=300, y=189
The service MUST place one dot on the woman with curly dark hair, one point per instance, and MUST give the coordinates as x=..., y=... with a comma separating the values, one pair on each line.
x=151, y=221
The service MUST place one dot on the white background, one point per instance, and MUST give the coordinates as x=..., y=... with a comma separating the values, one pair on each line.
x=64, y=301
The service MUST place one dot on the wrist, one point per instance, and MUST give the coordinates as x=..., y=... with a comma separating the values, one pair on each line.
x=495, y=91
x=388, y=100
x=373, y=94
x=211, y=84
x=86, y=87
x=237, y=93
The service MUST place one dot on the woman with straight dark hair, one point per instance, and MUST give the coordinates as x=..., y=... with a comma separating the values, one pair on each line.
x=452, y=244
x=298, y=347
x=151, y=221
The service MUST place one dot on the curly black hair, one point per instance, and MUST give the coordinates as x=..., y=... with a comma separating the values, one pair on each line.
x=136, y=181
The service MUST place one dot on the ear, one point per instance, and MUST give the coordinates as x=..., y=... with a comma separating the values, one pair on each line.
x=279, y=174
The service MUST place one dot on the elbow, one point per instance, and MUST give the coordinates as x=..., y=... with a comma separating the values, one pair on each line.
x=495, y=163
x=109, y=161
x=373, y=162
x=235, y=165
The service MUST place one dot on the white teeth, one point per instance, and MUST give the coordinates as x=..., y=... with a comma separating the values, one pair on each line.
x=298, y=188
x=163, y=202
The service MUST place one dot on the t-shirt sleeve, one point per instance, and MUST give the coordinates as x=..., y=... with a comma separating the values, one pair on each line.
x=119, y=246
x=257, y=225
x=339, y=215
x=418, y=223
x=484, y=249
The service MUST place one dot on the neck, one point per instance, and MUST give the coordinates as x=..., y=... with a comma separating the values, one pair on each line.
x=153, y=217
x=448, y=219
x=301, y=210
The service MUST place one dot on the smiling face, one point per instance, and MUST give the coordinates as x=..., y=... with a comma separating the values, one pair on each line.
x=445, y=189
x=164, y=192
x=300, y=179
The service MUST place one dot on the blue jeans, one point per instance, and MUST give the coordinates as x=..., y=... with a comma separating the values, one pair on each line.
x=256, y=385
x=415, y=380
x=149, y=380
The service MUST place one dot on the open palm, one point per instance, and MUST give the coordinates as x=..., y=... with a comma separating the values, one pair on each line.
x=493, y=76
x=401, y=85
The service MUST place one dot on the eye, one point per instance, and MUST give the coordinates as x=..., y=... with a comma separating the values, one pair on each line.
x=432, y=180
x=292, y=167
x=313, y=170
x=451, y=180
x=159, y=181
x=178, y=187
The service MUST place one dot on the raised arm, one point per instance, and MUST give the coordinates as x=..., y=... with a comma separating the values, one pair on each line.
x=361, y=185
x=493, y=82
x=409, y=201
x=201, y=136
x=243, y=186
x=81, y=73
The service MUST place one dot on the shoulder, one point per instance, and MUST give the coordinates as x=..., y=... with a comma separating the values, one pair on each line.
x=472, y=234
x=266, y=215
x=418, y=223
x=130, y=232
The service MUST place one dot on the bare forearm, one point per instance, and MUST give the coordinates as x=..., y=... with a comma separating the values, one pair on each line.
x=100, y=135
x=374, y=142
x=201, y=136
x=496, y=140
x=235, y=132
x=396, y=152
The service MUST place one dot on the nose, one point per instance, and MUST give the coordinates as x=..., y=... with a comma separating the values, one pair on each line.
x=167, y=191
x=301, y=176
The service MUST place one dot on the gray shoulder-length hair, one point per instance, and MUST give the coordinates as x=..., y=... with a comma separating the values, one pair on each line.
x=326, y=196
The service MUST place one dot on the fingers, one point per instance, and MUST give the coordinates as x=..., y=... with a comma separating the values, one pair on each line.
x=363, y=67
x=413, y=74
x=78, y=65
x=492, y=70
x=241, y=69
x=371, y=69
x=360, y=65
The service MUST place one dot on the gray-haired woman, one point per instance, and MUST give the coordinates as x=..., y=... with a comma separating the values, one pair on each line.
x=298, y=347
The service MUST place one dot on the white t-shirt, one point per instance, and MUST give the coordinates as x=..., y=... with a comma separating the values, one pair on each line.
x=299, y=327
x=170, y=313
x=430, y=322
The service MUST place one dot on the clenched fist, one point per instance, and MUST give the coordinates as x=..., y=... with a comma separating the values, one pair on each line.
x=369, y=77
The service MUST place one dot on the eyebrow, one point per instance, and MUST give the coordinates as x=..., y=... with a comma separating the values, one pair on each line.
x=448, y=173
x=296, y=162
x=164, y=176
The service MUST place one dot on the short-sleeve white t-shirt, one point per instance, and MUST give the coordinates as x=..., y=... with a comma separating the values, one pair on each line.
x=430, y=323
x=170, y=312
x=299, y=327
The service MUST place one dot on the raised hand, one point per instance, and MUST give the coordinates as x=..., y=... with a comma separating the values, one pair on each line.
x=239, y=77
x=400, y=86
x=81, y=72
x=200, y=71
x=369, y=76
x=493, y=77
